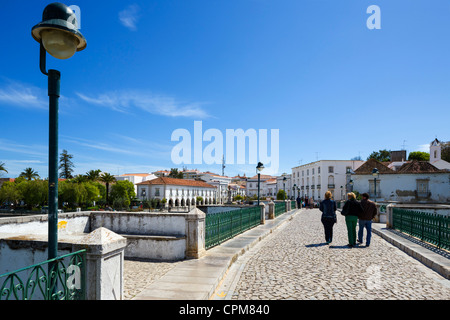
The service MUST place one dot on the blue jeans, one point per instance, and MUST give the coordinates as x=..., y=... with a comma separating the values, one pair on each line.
x=368, y=225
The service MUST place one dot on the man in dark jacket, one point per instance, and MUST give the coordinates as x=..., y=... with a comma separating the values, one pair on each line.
x=365, y=219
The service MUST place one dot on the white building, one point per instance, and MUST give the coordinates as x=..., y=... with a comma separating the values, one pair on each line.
x=220, y=182
x=135, y=178
x=415, y=181
x=286, y=185
x=316, y=178
x=435, y=156
x=252, y=185
x=177, y=192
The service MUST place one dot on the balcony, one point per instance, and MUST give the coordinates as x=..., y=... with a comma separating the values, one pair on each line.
x=318, y=186
x=331, y=186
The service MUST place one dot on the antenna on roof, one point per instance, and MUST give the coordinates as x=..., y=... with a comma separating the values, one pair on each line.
x=403, y=145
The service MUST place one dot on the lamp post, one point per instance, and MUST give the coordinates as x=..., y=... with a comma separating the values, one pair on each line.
x=284, y=187
x=259, y=167
x=293, y=191
x=58, y=35
x=375, y=175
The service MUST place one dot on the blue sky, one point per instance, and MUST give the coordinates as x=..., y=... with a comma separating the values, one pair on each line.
x=310, y=68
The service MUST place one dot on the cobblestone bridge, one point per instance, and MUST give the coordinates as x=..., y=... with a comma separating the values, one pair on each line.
x=293, y=262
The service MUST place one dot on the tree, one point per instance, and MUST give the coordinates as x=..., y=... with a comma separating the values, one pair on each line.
x=445, y=151
x=107, y=179
x=66, y=165
x=419, y=155
x=281, y=194
x=9, y=193
x=2, y=167
x=382, y=155
x=122, y=192
x=29, y=174
x=174, y=173
x=93, y=175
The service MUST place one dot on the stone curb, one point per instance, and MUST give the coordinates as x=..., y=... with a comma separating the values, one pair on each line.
x=198, y=279
x=433, y=260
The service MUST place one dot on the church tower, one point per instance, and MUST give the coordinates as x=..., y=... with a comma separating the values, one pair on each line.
x=435, y=150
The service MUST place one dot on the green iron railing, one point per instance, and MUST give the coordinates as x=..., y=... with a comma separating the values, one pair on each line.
x=293, y=204
x=428, y=227
x=222, y=226
x=280, y=208
x=62, y=278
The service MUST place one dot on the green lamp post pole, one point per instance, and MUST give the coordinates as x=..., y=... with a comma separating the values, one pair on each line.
x=58, y=35
x=375, y=176
x=54, y=77
x=259, y=168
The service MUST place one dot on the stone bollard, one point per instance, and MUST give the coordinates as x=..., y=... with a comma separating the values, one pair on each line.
x=195, y=234
x=271, y=210
x=104, y=264
x=287, y=205
x=263, y=212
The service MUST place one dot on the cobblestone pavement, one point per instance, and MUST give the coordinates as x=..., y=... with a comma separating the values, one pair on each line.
x=295, y=263
x=139, y=274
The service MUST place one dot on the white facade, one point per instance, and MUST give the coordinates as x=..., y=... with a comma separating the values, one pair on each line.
x=135, y=178
x=316, y=178
x=285, y=185
x=177, y=192
x=406, y=187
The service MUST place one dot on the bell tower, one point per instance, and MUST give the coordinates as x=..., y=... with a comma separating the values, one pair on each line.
x=435, y=150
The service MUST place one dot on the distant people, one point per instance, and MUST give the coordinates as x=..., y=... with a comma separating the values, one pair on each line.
x=352, y=210
x=365, y=219
x=299, y=202
x=311, y=203
x=328, y=208
x=306, y=201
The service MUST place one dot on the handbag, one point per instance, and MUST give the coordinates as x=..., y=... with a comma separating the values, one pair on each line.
x=344, y=210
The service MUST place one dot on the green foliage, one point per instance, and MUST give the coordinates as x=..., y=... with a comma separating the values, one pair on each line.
x=66, y=165
x=174, y=173
x=382, y=155
x=445, y=151
x=238, y=197
x=281, y=194
x=9, y=193
x=122, y=192
x=29, y=174
x=419, y=155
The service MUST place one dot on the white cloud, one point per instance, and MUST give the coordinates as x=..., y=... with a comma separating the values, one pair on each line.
x=126, y=102
x=130, y=16
x=22, y=95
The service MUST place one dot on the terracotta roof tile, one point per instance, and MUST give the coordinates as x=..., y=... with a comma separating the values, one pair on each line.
x=369, y=165
x=178, y=182
x=418, y=167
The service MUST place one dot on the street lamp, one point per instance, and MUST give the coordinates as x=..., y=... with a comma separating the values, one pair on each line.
x=375, y=175
x=58, y=35
x=259, y=167
x=284, y=187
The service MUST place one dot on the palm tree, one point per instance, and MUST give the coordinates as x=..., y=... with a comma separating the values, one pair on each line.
x=2, y=167
x=107, y=179
x=93, y=175
x=29, y=174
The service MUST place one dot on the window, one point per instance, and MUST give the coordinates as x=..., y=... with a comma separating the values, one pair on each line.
x=157, y=192
x=330, y=169
x=318, y=170
x=422, y=187
x=312, y=171
x=307, y=172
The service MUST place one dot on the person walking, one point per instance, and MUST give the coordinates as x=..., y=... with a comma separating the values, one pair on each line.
x=352, y=210
x=328, y=209
x=306, y=202
x=299, y=202
x=365, y=219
